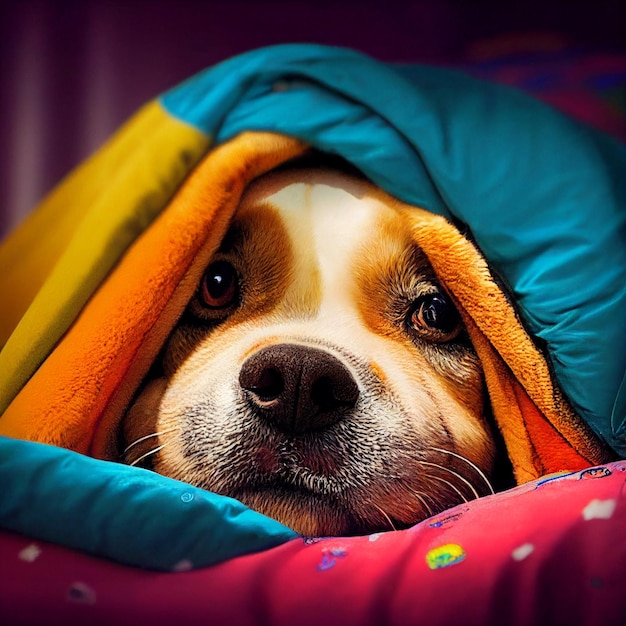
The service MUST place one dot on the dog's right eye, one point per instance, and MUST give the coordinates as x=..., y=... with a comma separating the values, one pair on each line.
x=434, y=316
x=219, y=287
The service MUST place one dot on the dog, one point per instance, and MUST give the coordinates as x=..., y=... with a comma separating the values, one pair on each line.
x=321, y=374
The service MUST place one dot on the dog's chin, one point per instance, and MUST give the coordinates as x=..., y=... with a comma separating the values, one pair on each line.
x=314, y=506
x=307, y=513
x=312, y=515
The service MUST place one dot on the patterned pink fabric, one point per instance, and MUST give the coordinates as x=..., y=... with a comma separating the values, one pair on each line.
x=548, y=552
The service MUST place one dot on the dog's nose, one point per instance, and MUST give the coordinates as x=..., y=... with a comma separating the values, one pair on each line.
x=298, y=388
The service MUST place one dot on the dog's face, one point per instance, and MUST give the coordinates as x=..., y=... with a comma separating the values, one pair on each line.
x=320, y=374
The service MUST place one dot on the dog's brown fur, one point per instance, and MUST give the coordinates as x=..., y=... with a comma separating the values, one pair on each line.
x=331, y=385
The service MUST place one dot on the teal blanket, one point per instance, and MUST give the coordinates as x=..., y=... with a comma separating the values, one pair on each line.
x=543, y=195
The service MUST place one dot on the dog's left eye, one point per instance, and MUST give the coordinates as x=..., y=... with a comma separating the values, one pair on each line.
x=219, y=285
x=435, y=316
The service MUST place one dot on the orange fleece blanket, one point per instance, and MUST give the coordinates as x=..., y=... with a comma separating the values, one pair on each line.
x=77, y=396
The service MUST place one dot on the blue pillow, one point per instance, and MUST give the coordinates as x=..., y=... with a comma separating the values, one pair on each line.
x=127, y=514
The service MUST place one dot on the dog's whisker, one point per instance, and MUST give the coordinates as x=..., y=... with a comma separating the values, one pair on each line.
x=451, y=485
x=472, y=465
x=461, y=478
x=385, y=515
x=157, y=434
x=421, y=498
x=147, y=454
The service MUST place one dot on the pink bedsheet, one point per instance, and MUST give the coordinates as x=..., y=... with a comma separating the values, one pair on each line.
x=548, y=552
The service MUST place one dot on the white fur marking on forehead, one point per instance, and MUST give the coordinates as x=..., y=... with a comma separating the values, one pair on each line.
x=328, y=227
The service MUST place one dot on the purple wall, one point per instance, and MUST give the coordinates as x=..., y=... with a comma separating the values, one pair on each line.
x=72, y=71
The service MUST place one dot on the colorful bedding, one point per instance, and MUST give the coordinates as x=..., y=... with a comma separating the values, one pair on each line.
x=529, y=203
x=548, y=552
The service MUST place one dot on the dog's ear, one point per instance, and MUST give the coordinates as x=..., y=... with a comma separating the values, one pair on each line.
x=541, y=431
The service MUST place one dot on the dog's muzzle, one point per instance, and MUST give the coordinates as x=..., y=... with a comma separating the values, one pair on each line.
x=297, y=388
